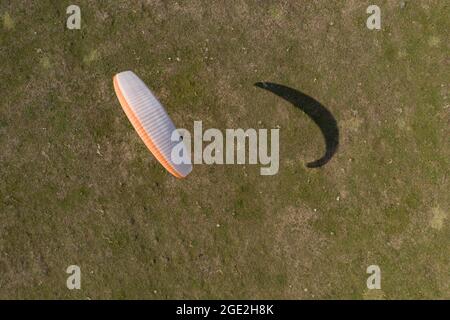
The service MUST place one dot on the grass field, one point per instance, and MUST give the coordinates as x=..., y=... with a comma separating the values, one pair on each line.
x=77, y=185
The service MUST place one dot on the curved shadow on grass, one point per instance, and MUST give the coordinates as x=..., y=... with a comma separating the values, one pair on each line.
x=316, y=111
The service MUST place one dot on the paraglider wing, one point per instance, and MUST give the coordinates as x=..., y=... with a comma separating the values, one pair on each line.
x=150, y=120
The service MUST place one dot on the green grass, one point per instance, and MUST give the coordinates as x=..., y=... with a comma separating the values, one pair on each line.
x=77, y=186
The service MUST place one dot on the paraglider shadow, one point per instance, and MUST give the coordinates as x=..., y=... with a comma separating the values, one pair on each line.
x=316, y=111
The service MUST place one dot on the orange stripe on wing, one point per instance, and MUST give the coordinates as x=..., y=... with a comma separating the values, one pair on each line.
x=141, y=131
